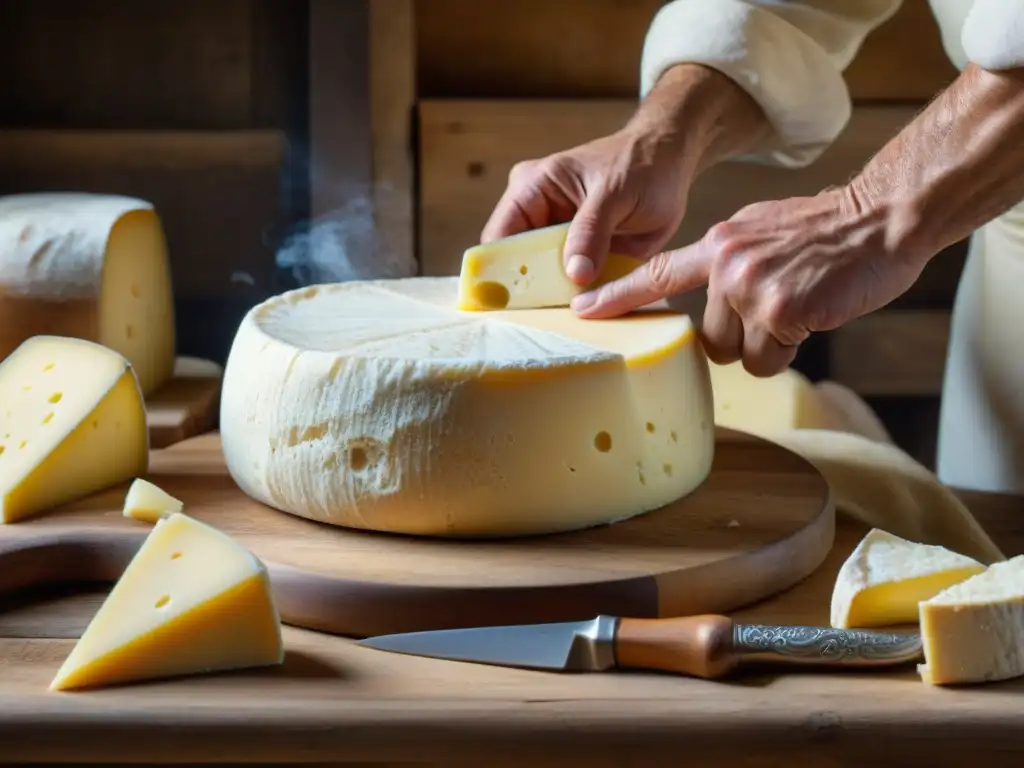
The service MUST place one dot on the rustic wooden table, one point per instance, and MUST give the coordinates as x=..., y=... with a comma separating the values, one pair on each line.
x=334, y=702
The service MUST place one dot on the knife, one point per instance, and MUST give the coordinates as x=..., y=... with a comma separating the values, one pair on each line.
x=705, y=646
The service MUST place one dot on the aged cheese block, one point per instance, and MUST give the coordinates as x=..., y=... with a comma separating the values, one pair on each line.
x=192, y=600
x=89, y=266
x=379, y=405
x=149, y=503
x=973, y=632
x=527, y=271
x=885, y=577
x=72, y=422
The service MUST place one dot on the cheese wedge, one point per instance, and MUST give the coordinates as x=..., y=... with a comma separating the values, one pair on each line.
x=149, y=503
x=766, y=406
x=88, y=266
x=885, y=577
x=72, y=422
x=973, y=632
x=379, y=405
x=527, y=271
x=191, y=601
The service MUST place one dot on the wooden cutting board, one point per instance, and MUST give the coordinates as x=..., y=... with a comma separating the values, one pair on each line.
x=762, y=521
x=186, y=405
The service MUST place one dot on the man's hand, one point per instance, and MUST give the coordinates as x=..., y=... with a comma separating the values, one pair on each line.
x=775, y=272
x=627, y=192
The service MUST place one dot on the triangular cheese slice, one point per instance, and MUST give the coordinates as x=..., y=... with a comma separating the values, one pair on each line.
x=192, y=600
x=148, y=503
x=885, y=577
x=72, y=422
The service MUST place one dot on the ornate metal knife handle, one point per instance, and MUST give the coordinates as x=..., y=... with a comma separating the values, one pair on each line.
x=826, y=645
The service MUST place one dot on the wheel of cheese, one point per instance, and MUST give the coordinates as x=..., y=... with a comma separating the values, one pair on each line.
x=88, y=266
x=379, y=405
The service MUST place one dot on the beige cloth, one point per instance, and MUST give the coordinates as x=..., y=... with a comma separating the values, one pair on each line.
x=879, y=484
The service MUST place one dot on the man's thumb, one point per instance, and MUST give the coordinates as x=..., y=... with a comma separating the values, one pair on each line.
x=588, y=240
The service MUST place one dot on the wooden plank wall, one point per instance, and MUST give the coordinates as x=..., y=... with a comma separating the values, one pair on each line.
x=194, y=105
x=513, y=79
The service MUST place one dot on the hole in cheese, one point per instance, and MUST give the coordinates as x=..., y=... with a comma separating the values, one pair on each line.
x=48, y=418
x=2, y=449
x=23, y=444
x=48, y=367
x=357, y=458
x=136, y=291
x=672, y=436
x=491, y=295
x=524, y=270
x=667, y=469
x=163, y=601
x=175, y=556
x=56, y=397
x=603, y=442
x=129, y=332
x=650, y=427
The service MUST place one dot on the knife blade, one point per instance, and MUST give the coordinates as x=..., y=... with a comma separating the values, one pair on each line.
x=706, y=646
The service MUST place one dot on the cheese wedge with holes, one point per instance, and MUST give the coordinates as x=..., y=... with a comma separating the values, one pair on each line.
x=72, y=423
x=885, y=577
x=527, y=271
x=192, y=600
x=149, y=503
x=973, y=632
x=379, y=405
x=89, y=266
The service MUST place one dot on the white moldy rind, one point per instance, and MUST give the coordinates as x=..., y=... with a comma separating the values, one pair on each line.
x=378, y=405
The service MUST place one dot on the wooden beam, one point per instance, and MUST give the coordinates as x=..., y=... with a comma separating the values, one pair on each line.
x=362, y=87
x=891, y=352
x=392, y=109
x=468, y=147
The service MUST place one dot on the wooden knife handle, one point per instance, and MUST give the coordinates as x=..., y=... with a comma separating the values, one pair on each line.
x=700, y=646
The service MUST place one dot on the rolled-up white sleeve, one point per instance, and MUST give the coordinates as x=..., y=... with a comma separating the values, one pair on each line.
x=789, y=55
x=993, y=34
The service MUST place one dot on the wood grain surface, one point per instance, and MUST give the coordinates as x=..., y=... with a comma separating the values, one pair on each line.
x=762, y=521
x=186, y=406
x=335, y=702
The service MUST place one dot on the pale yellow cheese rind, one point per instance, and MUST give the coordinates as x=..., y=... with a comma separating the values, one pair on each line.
x=89, y=266
x=72, y=423
x=379, y=405
x=886, y=576
x=148, y=503
x=527, y=271
x=973, y=632
x=192, y=601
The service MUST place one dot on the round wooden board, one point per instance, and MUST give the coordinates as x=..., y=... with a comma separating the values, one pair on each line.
x=762, y=521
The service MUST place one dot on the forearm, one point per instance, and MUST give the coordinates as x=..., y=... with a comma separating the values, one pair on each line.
x=700, y=115
x=959, y=164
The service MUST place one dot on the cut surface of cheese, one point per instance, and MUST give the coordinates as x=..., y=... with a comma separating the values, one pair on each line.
x=768, y=405
x=885, y=577
x=72, y=423
x=89, y=266
x=149, y=503
x=973, y=632
x=527, y=271
x=191, y=601
x=379, y=405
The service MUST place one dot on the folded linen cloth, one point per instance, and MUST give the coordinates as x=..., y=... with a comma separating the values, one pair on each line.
x=873, y=480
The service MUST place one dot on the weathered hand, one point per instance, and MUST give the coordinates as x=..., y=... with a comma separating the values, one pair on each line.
x=625, y=192
x=775, y=273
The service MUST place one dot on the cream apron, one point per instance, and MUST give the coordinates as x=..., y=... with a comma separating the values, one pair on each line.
x=981, y=423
